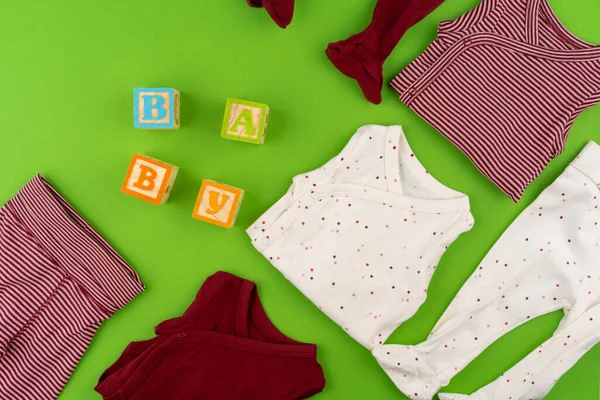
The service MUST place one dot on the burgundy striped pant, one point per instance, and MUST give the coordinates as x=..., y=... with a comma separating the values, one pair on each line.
x=59, y=279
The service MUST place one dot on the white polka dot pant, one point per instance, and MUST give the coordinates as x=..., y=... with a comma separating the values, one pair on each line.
x=547, y=260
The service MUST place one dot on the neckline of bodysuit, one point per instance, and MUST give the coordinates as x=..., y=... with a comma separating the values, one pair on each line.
x=398, y=151
x=247, y=308
x=250, y=310
x=532, y=21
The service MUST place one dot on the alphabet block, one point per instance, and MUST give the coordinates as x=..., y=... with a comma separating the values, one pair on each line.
x=218, y=204
x=245, y=121
x=156, y=108
x=149, y=179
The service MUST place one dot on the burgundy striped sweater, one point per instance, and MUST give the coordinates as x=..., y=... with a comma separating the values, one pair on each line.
x=504, y=83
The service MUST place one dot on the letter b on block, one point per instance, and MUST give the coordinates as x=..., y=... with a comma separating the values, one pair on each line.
x=218, y=204
x=146, y=180
x=156, y=108
x=149, y=179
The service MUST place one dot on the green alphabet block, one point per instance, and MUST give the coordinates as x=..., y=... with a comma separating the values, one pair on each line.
x=245, y=121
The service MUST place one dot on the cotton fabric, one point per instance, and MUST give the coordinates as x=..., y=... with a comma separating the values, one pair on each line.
x=504, y=83
x=362, y=235
x=281, y=11
x=223, y=347
x=547, y=260
x=59, y=279
x=361, y=56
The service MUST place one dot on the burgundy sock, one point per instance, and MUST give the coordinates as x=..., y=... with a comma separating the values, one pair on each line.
x=361, y=56
x=281, y=11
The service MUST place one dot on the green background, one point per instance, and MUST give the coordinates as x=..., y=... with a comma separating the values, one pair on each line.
x=67, y=74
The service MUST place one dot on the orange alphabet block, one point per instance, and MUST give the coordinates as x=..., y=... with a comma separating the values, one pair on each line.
x=149, y=179
x=218, y=204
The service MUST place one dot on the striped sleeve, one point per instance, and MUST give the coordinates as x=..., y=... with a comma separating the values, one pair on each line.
x=592, y=100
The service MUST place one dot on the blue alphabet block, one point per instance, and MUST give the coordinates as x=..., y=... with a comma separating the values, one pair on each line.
x=155, y=108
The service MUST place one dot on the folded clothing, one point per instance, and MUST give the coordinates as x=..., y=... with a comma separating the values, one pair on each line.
x=223, y=347
x=59, y=280
x=479, y=84
x=362, y=235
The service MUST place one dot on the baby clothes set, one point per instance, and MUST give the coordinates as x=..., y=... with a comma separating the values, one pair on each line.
x=59, y=279
x=504, y=83
x=362, y=235
x=223, y=347
x=547, y=260
x=356, y=238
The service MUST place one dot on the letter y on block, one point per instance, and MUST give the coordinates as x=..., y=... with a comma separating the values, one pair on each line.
x=213, y=201
x=218, y=204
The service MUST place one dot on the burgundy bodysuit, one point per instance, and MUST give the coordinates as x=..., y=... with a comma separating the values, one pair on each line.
x=223, y=347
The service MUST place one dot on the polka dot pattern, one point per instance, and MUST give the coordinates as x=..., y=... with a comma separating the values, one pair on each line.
x=546, y=260
x=365, y=254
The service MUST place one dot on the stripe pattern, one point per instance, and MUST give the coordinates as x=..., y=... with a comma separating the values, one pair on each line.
x=504, y=83
x=59, y=279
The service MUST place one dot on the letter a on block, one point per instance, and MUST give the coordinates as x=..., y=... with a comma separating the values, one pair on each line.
x=218, y=204
x=149, y=179
x=244, y=120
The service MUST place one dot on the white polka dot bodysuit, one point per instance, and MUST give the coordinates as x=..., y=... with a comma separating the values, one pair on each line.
x=362, y=235
x=547, y=260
